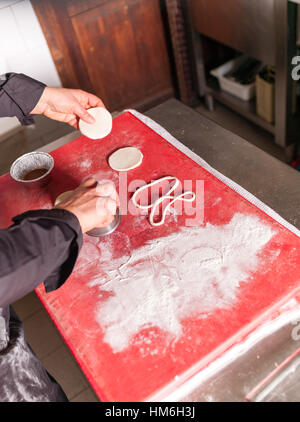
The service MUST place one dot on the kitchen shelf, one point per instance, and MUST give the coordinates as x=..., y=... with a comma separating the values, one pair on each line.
x=245, y=108
x=266, y=31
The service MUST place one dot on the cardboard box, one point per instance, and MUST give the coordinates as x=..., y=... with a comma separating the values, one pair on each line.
x=265, y=99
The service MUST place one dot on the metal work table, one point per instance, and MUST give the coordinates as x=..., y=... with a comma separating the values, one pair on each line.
x=274, y=183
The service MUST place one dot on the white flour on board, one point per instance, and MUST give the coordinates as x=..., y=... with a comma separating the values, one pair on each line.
x=188, y=273
x=86, y=163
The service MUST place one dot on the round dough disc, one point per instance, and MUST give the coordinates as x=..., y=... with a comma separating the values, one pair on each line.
x=125, y=159
x=102, y=126
x=62, y=197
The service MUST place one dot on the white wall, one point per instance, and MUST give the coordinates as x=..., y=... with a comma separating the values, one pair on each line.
x=23, y=48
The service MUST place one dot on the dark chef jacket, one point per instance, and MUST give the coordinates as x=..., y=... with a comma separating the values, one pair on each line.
x=40, y=246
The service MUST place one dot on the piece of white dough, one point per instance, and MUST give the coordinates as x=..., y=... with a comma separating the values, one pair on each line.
x=102, y=126
x=183, y=197
x=125, y=159
x=62, y=197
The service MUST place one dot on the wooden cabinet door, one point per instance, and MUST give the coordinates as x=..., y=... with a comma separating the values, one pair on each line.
x=115, y=49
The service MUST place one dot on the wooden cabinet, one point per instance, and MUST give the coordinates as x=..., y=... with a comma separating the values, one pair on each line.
x=113, y=48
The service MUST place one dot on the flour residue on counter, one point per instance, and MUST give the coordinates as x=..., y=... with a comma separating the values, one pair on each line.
x=188, y=273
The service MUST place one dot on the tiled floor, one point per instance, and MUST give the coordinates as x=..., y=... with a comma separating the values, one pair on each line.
x=29, y=139
x=41, y=332
x=51, y=349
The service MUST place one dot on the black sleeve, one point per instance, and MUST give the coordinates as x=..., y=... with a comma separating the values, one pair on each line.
x=42, y=246
x=19, y=94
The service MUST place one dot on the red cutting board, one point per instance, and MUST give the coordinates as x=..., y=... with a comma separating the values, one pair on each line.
x=152, y=358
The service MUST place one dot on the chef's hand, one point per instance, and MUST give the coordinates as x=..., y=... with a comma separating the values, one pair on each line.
x=93, y=203
x=67, y=105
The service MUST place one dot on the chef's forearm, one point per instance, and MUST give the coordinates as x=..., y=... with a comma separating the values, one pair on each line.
x=42, y=246
x=19, y=94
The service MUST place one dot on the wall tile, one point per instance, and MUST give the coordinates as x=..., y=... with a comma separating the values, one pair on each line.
x=28, y=24
x=7, y=3
x=38, y=64
x=4, y=68
x=11, y=41
x=23, y=49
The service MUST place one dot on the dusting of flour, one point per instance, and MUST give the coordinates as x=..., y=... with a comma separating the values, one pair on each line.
x=188, y=273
